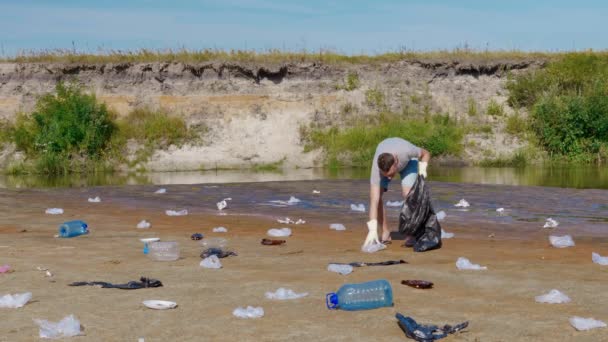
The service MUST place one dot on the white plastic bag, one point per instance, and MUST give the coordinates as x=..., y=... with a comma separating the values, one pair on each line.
x=69, y=326
x=220, y=230
x=293, y=200
x=249, y=312
x=182, y=212
x=342, y=269
x=160, y=191
x=143, y=224
x=440, y=215
x=221, y=205
x=358, y=207
x=462, y=203
x=287, y=220
x=337, y=226
x=561, y=241
x=15, y=301
x=446, y=235
x=316, y=192
x=500, y=210
x=279, y=232
x=464, y=264
x=283, y=294
x=598, y=259
x=551, y=223
x=94, y=200
x=211, y=262
x=580, y=323
x=54, y=211
x=300, y=221
x=394, y=203
x=373, y=247
x=553, y=297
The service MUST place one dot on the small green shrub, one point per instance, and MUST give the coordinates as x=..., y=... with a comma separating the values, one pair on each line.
x=494, y=108
x=519, y=159
x=374, y=98
x=352, y=82
x=472, y=107
x=155, y=129
x=516, y=125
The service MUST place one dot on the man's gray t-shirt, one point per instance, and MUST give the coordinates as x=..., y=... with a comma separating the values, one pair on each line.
x=403, y=149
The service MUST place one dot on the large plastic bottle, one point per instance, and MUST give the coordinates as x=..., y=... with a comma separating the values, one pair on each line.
x=164, y=251
x=363, y=296
x=73, y=228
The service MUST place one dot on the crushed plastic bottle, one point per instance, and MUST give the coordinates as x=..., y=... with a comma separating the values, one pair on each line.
x=163, y=250
x=73, y=228
x=364, y=296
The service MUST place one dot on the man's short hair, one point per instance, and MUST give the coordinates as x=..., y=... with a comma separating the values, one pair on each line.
x=385, y=161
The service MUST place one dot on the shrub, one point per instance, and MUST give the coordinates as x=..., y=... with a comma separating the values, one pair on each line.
x=374, y=98
x=155, y=129
x=472, y=107
x=516, y=125
x=494, y=108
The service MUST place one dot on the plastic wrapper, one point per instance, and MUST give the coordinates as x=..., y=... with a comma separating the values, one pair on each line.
x=358, y=207
x=221, y=205
x=446, y=235
x=462, y=204
x=211, y=262
x=160, y=191
x=553, y=297
x=337, y=226
x=182, y=212
x=373, y=247
x=248, y=312
x=143, y=224
x=394, y=203
x=69, y=326
x=561, y=241
x=15, y=301
x=54, y=211
x=580, y=323
x=279, y=232
x=340, y=268
x=284, y=294
x=441, y=216
x=464, y=264
x=551, y=223
x=220, y=230
x=598, y=259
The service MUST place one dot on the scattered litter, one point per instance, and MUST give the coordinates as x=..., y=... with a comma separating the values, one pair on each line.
x=48, y=273
x=220, y=230
x=381, y=263
x=551, y=223
x=5, y=269
x=282, y=294
x=69, y=326
x=358, y=207
x=300, y=221
x=553, y=297
x=279, y=232
x=159, y=304
x=219, y=252
x=196, y=236
x=373, y=247
x=160, y=191
x=293, y=200
x=132, y=285
x=228, y=199
x=340, y=268
x=249, y=312
x=183, y=212
x=221, y=205
x=422, y=332
x=500, y=210
x=143, y=224
x=419, y=284
x=440, y=215
x=561, y=241
x=463, y=203
x=287, y=220
x=464, y=264
x=337, y=226
x=15, y=301
x=394, y=203
x=580, y=323
x=598, y=259
x=94, y=200
x=54, y=211
x=316, y=192
x=214, y=242
x=211, y=262
x=269, y=242
x=446, y=235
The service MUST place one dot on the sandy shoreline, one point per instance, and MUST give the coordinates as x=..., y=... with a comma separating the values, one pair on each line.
x=499, y=302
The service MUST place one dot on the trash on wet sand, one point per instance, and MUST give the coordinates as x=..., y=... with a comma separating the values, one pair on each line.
x=580, y=323
x=419, y=284
x=553, y=297
x=316, y=192
x=373, y=247
x=163, y=250
x=551, y=223
x=464, y=264
x=283, y=294
x=69, y=326
x=446, y=235
x=381, y=263
x=221, y=205
x=292, y=201
x=279, y=232
x=269, y=242
x=440, y=215
x=358, y=207
x=340, y=268
x=159, y=304
x=94, y=200
x=54, y=211
x=249, y=312
x=15, y=301
x=337, y=226
x=561, y=241
x=160, y=191
x=143, y=283
x=219, y=252
x=500, y=210
x=182, y=212
x=598, y=259
x=220, y=230
x=394, y=203
x=426, y=333
x=143, y=224
x=286, y=220
x=211, y=261
x=196, y=236
x=462, y=203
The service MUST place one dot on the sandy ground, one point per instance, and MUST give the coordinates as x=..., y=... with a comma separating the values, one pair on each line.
x=499, y=302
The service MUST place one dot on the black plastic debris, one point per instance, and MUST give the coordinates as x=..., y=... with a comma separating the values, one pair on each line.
x=417, y=218
x=426, y=333
x=220, y=253
x=381, y=263
x=132, y=285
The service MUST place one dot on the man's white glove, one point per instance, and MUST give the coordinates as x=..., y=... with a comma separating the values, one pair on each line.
x=422, y=168
x=372, y=234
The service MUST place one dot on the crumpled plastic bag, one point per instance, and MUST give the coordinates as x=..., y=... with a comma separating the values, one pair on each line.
x=462, y=203
x=427, y=332
x=337, y=226
x=446, y=235
x=342, y=269
x=500, y=210
x=283, y=294
x=160, y=191
x=551, y=223
x=94, y=200
x=553, y=297
x=15, y=301
x=249, y=312
x=394, y=203
x=279, y=232
x=292, y=200
x=418, y=219
x=358, y=207
x=143, y=224
x=221, y=205
x=580, y=323
x=598, y=259
x=441, y=216
x=561, y=241
x=373, y=247
x=54, y=211
x=182, y=212
x=464, y=264
x=69, y=326
x=211, y=262
x=220, y=230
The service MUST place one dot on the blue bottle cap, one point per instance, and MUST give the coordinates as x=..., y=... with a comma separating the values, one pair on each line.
x=331, y=300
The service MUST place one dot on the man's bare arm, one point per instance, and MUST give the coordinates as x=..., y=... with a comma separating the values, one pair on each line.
x=374, y=200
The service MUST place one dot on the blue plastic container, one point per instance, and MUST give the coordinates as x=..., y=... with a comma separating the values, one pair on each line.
x=364, y=296
x=73, y=228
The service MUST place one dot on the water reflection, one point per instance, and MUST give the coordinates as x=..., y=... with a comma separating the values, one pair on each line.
x=573, y=177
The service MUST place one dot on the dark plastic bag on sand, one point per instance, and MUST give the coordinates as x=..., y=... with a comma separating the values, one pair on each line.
x=417, y=218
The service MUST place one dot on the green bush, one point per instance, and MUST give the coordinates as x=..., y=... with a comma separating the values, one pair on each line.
x=352, y=81
x=516, y=125
x=155, y=129
x=374, y=98
x=494, y=108
x=472, y=107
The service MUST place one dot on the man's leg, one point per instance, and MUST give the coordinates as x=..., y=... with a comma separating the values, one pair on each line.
x=408, y=178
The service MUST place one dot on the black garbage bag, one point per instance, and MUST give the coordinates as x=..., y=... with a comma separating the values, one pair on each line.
x=132, y=285
x=417, y=218
x=426, y=333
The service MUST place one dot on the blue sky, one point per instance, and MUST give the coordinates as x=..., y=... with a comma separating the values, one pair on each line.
x=347, y=26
